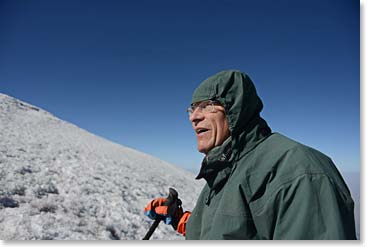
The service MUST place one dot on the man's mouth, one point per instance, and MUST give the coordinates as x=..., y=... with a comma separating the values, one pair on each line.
x=201, y=130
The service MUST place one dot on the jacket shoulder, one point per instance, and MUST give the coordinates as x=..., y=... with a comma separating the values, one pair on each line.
x=279, y=159
x=280, y=152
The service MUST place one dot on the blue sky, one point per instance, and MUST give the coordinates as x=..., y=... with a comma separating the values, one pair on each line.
x=125, y=70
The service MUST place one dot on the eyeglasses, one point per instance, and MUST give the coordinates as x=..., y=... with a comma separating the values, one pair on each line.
x=204, y=106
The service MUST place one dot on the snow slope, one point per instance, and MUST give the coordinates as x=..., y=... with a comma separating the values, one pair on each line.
x=58, y=181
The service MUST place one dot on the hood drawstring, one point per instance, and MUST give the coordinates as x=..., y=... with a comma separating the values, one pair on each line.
x=209, y=197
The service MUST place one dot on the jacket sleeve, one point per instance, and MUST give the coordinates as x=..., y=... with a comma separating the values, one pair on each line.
x=309, y=206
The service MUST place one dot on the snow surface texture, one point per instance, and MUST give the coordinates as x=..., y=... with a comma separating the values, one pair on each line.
x=59, y=182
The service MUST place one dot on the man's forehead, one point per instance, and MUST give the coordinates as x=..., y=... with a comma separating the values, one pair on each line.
x=200, y=102
x=205, y=101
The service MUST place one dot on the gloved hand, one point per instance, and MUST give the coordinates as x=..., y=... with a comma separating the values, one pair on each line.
x=181, y=227
x=169, y=212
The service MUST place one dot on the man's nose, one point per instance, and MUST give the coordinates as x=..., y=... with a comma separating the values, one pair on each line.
x=196, y=115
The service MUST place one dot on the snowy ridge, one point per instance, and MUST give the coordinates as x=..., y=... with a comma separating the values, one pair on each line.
x=58, y=181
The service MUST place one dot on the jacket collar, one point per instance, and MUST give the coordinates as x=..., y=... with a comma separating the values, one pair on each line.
x=216, y=165
x=220, y=161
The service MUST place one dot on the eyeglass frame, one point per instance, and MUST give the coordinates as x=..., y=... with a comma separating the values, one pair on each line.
x=203, y=105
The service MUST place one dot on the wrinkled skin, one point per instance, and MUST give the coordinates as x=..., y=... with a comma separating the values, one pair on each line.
x=211, y=128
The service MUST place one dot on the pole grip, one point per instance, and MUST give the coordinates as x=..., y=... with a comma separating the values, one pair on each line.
x=172, y=196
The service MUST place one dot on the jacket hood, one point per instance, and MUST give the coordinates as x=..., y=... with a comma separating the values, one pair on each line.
x=237, y=93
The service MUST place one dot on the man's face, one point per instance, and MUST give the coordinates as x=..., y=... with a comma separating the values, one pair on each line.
x=210, y=125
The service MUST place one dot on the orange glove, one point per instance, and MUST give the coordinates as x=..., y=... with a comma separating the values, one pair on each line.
x=181, y=227
x=171, y=214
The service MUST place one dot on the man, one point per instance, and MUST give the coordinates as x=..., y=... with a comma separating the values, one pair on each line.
x=260, y=185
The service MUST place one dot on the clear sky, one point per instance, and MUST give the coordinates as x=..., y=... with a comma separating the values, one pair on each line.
x=125, y=70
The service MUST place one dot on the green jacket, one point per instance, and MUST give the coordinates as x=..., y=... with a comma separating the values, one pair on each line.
x=262, y=185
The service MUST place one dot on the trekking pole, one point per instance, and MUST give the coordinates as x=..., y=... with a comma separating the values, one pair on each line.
x=172, y=196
